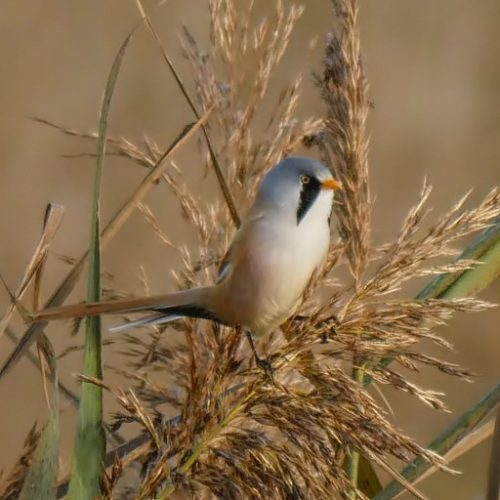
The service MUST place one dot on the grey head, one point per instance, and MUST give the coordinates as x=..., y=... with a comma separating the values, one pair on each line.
x=296, y=185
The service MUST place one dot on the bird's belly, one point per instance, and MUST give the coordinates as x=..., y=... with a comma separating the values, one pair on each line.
x=276, y=276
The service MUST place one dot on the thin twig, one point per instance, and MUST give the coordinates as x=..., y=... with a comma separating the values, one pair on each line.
x=493, y=492
x=108, y=234
x=228, y=197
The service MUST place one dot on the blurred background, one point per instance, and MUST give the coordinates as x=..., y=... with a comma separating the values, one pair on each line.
x=434, y=75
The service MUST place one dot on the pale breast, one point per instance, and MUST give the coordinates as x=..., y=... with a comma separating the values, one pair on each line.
x=270, y=268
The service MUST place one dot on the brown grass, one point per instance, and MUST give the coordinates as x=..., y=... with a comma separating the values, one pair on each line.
x=238, y=435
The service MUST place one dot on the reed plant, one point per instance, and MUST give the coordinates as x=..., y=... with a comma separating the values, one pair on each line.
x=317, y=430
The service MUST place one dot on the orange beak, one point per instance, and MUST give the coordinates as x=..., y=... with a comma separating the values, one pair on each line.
x=331, y=184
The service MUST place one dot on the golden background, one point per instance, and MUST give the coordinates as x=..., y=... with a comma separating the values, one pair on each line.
x=434, y=73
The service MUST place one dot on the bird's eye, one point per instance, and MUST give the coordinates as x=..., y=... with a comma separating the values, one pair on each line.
x=305, y=179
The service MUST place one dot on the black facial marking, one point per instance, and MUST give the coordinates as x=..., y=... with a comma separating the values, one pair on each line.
x=309, y=193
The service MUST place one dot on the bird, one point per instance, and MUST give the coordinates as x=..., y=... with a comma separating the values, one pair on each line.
x=282, y=241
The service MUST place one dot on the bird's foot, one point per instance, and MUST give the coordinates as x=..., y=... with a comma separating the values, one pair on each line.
x=263, y=364
x=328, y=329
x=266, y=366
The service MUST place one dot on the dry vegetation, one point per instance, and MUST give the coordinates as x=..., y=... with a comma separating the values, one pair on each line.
x=238, y=434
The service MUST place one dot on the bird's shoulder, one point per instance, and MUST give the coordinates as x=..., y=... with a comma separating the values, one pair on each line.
x=243, y=244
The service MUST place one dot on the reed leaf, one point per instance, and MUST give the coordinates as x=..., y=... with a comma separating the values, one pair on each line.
x=90, y=446
x=41, y=478
x=493, y=491
x=486, y=250
x=449, y=438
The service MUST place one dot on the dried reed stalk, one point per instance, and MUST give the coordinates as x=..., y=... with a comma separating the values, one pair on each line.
x=237, y=435
x=291, y=438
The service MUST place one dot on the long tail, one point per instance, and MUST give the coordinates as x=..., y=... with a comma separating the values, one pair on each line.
x=194, y=303
x=150, y=320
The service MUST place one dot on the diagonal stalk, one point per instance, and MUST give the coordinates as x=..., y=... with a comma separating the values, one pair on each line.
x=486, y=250
x=109, y=232
x=226, y=192
x=451, y=436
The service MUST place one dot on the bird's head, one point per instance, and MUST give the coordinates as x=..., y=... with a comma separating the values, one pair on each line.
x=298, y=187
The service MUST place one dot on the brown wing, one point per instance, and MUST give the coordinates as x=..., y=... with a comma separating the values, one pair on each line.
x=239, y=246
x=225, y=265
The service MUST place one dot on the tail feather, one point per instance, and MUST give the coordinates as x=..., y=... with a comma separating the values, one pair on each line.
x=194, y=302
x=167, y=314
x=151, y=320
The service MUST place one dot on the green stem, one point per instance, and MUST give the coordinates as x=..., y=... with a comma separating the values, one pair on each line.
x=352, y=464
x=451, y=436
x=90, y=443
x=486, y=249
